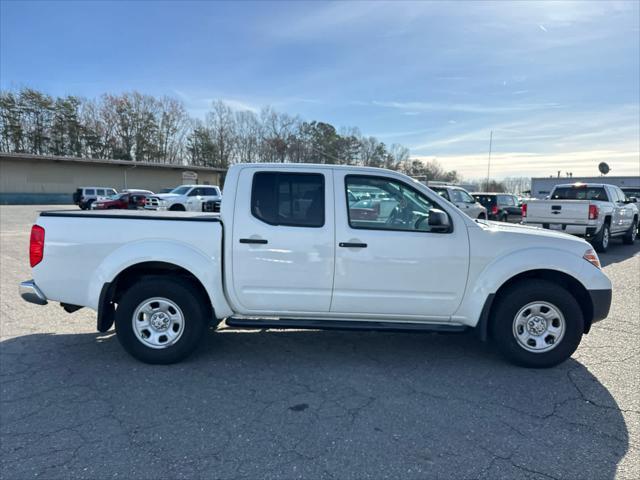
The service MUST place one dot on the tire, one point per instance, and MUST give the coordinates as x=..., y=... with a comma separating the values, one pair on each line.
x=564, y=321
x=601, y=241
x=177, y=208
x=630, y=235
x=181, y=337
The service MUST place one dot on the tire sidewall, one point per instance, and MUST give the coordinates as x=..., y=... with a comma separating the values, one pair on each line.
x=516, y=298
x=192, y=306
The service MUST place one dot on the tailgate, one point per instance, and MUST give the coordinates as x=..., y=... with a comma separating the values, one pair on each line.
x=558, y=211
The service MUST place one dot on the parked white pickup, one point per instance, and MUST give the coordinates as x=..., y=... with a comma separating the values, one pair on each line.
x=591, y=210
x=184, y=198
x=294, y=246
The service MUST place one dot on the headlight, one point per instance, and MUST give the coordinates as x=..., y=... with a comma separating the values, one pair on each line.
x=592, y=257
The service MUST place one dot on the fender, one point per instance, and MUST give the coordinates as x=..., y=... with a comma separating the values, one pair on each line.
x=489, y=279
x=207, y=269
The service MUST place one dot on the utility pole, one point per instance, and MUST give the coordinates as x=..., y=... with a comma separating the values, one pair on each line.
x=489, y=162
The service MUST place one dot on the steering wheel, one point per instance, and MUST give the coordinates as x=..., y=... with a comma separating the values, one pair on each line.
x=393, y=216
x=421, y=219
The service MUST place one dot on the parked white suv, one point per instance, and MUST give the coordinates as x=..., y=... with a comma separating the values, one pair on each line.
x=293, y=248
x=461, y=199
x=184, y=198
x=85, y=196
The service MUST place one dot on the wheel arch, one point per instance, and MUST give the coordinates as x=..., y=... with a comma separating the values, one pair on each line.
x=112, y=291
x=570, y=283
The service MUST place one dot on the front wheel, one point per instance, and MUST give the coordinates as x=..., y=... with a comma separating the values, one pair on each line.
x=630, y=235
x=161, y=320
x=177, y=208
x=537, y=324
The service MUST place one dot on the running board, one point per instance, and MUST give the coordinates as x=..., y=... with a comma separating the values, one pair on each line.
x=301, y=323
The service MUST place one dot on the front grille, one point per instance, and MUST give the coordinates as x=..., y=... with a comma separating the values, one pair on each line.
x=212, y=206
x=152, y=202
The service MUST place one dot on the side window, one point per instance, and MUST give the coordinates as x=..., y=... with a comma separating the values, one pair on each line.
x=195, y=192
x=89, y=192
x=621, y=195
x=288, y=199
x=209, y=192
x=100, y=192
x=456, y=196
x=466, y=198
x=386, y=204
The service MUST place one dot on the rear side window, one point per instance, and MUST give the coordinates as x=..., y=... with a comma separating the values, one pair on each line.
x=288, y=199
x=486, y=200
x=89, y=191
x=580, y=193
x=209, y=191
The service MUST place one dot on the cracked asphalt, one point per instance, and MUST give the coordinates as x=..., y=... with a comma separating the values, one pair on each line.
x=271, y=404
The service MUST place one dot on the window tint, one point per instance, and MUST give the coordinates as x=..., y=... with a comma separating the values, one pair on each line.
x=289, y=199
x=580, y=193
x=486, y=200
x=466, y=198
x=89, y=191
x=209, y=191
x=100, y=192
x=195, y=192
x=390, y=205
x=442, y=192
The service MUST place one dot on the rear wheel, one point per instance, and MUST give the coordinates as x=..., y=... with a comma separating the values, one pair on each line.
x=161, y=320
x=631, y=234
x=601, y=241
x=537, y=324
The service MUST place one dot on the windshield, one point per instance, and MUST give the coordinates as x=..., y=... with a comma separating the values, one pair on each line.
x=180, y=190
x=486, y=200
x=579, y=193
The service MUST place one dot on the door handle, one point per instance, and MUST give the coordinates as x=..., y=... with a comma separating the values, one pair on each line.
x=352, y=245
x=260, y=241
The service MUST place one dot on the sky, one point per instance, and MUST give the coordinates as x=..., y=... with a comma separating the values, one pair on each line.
x=558, y=83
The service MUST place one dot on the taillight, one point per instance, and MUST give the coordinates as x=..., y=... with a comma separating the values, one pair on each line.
x=524, y=209
x=593, y=212
x=494, y=210
x=36, y=245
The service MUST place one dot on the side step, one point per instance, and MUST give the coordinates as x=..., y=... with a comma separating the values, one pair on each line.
x=309, y=324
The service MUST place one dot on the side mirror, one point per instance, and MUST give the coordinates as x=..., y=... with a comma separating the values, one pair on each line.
x=438, y=221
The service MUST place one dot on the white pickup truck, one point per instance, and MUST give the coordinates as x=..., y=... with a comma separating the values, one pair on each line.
x=594, y=211
x=291, y=248
x=189, y=198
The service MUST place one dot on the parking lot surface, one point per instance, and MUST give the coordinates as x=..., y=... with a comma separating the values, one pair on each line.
x=299, y=404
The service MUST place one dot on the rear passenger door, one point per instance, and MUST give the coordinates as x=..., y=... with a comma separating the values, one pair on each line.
x=283, y=241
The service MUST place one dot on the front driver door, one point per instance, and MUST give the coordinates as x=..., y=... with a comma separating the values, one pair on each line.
x=389, y=262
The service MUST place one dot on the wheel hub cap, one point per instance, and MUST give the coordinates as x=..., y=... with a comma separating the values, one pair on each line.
x=159, y=321
x=536, y=325
x=539, y=326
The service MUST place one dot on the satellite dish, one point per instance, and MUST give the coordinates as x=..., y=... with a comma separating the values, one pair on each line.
x=603, y=167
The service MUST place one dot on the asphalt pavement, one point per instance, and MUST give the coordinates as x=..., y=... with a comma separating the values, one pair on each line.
x=300, y=404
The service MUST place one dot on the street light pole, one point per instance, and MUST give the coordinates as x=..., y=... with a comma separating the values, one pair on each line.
x=489, y=162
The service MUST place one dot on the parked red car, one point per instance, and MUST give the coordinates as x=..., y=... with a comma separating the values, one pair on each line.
x=123, y=201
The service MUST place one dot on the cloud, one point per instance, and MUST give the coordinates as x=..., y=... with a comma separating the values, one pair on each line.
x=507, y=164
x=462, y=107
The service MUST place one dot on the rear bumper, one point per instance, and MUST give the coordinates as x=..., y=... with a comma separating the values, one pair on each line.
x=30, y=292
x=579, y=230
x=601, y=301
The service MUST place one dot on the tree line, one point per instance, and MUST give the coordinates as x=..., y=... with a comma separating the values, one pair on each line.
x=138, y=127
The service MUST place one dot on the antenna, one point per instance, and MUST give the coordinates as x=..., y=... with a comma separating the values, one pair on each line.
x=489, y=162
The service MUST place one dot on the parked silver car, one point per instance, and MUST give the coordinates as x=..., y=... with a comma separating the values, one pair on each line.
x=461, y=199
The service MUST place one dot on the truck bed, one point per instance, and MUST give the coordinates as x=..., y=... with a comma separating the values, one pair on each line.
x=135, y=214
